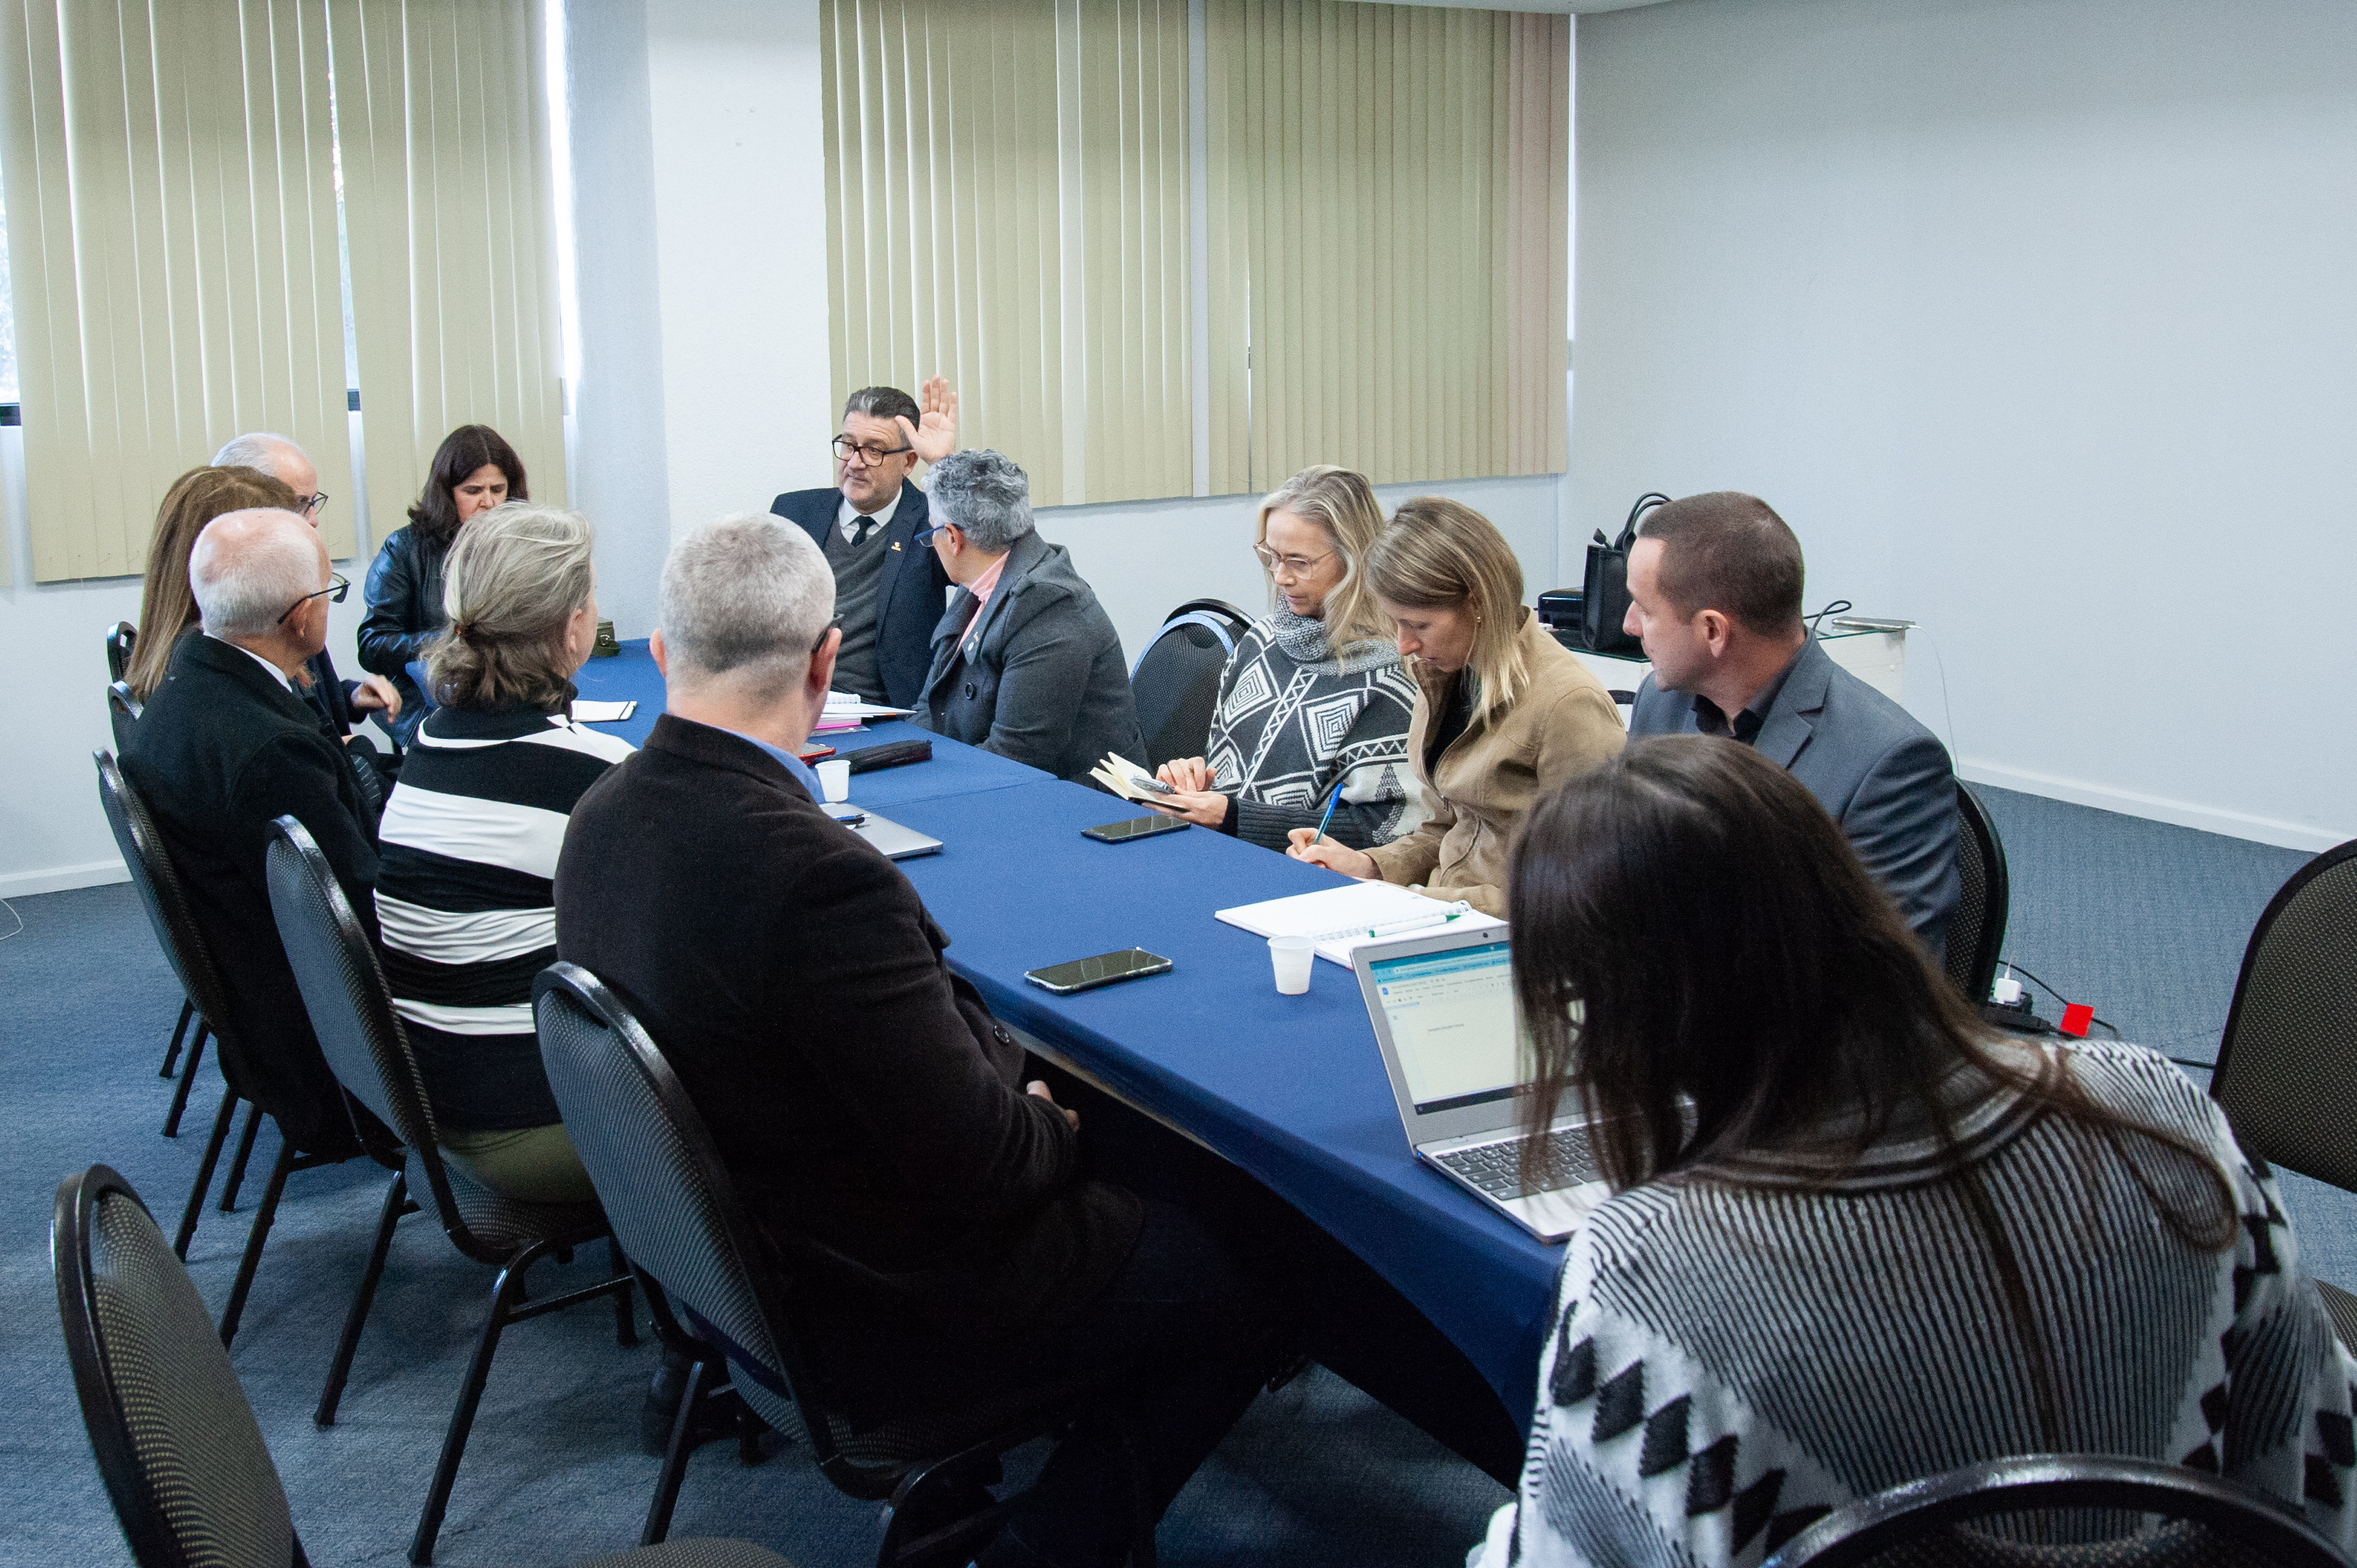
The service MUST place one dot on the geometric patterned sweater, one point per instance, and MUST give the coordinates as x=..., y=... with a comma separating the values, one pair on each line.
x=1736, y=1355
x=1285, y=728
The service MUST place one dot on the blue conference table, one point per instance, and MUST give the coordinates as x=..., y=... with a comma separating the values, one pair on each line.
x=1289, y=1088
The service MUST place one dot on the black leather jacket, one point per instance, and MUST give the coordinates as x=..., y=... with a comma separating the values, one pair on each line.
x=404, y=613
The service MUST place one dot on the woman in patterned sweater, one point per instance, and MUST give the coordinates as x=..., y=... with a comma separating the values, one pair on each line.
x=1854, y=1240
x=1315, y=695
x=466, y=880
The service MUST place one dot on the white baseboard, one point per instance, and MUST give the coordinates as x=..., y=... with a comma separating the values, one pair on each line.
x=2154, y=808
x=60, y=878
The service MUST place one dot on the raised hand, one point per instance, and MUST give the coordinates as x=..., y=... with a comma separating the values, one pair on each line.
x=934, y=435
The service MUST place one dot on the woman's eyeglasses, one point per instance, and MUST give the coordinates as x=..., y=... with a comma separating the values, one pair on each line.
x=1299, y=565
x=333, y=593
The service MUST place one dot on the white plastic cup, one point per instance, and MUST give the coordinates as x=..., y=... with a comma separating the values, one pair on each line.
x=834, y=779
x=1292, y=956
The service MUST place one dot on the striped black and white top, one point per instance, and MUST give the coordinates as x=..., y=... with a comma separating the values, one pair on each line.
x=1739, y=1351
x=464, y=897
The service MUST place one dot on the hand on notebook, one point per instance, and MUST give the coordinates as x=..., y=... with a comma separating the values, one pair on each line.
x=1306, y=845
x=1039, y=1087
x=1185, y=773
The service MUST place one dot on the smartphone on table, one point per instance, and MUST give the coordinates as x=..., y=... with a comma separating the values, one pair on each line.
x=1135, y=828
x=1104, y=968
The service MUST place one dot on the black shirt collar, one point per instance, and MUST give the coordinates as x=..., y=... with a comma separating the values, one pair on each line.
x=1711, y=720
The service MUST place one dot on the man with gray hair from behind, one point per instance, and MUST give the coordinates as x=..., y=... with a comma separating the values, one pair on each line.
x=224, y=748
x=1026, y=662
x=930, y=1210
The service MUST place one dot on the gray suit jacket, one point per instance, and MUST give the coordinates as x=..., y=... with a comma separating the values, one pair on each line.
x=1047, y=684
x=1884, y=777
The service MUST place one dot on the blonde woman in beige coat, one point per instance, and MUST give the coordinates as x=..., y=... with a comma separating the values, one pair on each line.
x=1503, y=713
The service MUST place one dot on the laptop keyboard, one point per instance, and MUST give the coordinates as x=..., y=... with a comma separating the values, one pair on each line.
x=1564, y=1158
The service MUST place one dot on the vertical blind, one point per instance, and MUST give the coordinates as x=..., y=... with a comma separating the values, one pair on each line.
x=1389, y=189
x=172, y=237
x=442, y=114
x=1007, y=206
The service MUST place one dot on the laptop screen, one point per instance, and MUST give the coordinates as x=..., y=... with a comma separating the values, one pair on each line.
x=1453, y=1022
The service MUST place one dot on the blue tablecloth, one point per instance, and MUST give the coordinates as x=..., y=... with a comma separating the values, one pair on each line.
x=1291, y=1089
x=954, y=769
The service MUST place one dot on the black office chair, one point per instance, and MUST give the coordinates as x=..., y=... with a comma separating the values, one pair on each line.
x=675, y=1212
x=123, y=712
x=152, y=873
x=122, y=641
x=1976, y=934
x=2210, y=1522
x=2286, y=1073
x=1176, y=679
x=176, y=1445
x=352, y=1012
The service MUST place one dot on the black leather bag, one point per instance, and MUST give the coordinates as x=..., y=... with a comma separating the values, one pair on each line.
x=1604, y=603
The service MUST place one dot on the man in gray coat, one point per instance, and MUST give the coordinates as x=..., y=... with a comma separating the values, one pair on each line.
x=1715, y=587
x=1026, y=662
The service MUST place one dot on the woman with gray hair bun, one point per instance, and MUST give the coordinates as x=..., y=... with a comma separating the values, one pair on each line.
x=1025, y=661
x=471, y=839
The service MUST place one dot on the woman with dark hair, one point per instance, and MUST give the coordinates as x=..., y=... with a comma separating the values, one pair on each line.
x=474, y=470
x=1853, y=1240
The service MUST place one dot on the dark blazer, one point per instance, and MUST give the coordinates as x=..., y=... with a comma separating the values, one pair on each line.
x=1884, y=777
x=222, y=750
x=330, y=698
x=404, y=613
x=862, y=1096
x=907, y=601
x=1048, y=684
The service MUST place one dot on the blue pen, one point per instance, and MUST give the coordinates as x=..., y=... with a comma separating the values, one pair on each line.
x=1332, y=801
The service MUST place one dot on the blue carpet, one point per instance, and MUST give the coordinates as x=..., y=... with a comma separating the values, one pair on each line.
x=2144, y=921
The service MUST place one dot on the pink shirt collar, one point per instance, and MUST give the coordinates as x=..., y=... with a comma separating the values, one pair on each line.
x=981, y=588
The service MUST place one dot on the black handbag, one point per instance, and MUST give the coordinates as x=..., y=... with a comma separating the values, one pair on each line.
x=1604, y=603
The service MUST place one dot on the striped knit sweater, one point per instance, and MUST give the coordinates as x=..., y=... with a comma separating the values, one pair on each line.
x=464, y=895
x=1735, y=1355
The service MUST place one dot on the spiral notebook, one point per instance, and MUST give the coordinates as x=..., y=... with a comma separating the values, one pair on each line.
x=1340, y=919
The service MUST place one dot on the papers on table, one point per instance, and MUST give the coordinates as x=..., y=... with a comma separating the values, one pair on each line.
x=1129, y=780
x=589, y=713
x=1338, y=919
x=845, y=712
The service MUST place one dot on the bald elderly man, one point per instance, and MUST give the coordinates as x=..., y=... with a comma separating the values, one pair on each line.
x=224, y=747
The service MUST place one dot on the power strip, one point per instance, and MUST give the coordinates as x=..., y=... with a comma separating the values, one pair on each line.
x=2019, y=1017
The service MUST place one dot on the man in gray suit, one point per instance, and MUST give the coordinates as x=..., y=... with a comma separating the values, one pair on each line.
x=1026, y=662
x=1715, y=593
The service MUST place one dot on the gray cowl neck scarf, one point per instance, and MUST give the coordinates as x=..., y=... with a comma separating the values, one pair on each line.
x=1304, y=643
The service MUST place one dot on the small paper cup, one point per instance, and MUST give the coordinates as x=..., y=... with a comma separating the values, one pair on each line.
x=834, y=779
x=1292, y=957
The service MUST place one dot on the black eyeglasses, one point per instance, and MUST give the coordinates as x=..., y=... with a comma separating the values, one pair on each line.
x=333, y=593
x=868, y=452
x=313, y=504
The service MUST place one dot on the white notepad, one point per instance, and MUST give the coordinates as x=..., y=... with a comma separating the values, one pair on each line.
x=586, y=712
x=1336, y=919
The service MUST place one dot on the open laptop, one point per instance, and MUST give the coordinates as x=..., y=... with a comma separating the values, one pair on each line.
x=1443, y=1008
x=896, y=841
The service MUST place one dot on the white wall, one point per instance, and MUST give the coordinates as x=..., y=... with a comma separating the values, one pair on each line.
x=2034, y=319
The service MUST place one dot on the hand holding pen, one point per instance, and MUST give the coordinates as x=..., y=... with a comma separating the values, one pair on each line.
x=1186, y=791
x=1314, y=846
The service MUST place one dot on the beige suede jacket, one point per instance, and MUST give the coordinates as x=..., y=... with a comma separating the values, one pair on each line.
x=1564, y=724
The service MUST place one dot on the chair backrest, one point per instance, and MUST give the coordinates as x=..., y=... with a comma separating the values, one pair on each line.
x=666, y=1194
x=158, y=882
x=176, y=1445
x=2286, y=1074
x=2214, y=1523
x=121, y=639
x=123, y=711
x=349, y=1003
x=1976, y=934
x=1176, y=682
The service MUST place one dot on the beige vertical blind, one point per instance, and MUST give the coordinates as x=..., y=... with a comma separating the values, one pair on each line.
x=1007, y=206
x=442, y=112
x=172, y=233
x=1389, y=189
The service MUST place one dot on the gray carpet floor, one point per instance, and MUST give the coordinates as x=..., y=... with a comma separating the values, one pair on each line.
x=2146, y=922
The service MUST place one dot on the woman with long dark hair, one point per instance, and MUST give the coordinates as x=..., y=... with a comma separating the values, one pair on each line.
x=474, y=470
x=1853, y=1240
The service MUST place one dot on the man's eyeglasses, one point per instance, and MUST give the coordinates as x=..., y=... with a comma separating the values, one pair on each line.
x=867, y=452
x=333, y=593
x=313, y=504
x=924, y=536
x=1299, y=565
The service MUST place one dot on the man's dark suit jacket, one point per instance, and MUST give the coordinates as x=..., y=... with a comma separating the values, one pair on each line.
x=222, y=750
x=1884, y=777
x=910, y=598
x=863, y=1098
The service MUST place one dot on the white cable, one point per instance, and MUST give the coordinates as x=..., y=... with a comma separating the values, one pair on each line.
x=12, y=914
x=1946, y=707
